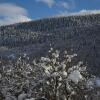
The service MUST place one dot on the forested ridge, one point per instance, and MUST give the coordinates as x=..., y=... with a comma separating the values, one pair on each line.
x=40, y=30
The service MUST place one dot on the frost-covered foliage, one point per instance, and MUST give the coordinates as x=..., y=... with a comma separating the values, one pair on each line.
x=52, y=77
x=61, y=79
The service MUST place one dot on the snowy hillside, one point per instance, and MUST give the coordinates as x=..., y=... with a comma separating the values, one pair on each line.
x=38, y=59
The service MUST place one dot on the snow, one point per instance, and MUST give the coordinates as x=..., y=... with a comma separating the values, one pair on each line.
x=97, y=82
x=12, y=56
x=64, y=73
x=56, y=54
x=75, y=76
x=22, y=96
x=55, y=74
x=93, y=83
x=45, y=59
x=60, y=79
x=90, y=83
x=48, y=82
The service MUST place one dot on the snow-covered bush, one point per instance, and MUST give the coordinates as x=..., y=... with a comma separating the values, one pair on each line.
x=61, y=80
x=52, y=77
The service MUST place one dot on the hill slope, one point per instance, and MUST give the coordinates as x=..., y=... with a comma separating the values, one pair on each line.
x=80, y=34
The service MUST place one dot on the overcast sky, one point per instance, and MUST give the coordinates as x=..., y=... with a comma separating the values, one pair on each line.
x=14, y=11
